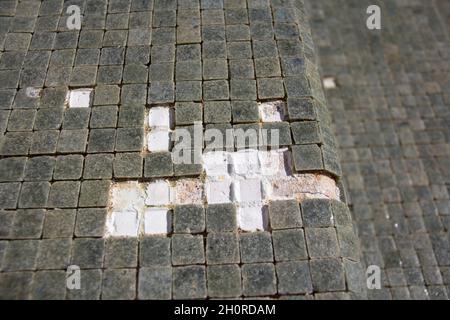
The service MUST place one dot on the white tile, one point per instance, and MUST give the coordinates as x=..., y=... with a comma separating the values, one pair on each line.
x=245, y=163
x=273, y=111
x=216, y=163
x=80, y=98
x=158, y=194
x=159, y=117
x=329, y=83
x=218, y=191
x=123, y=224
x=158, y=140
x=252, y=218
x=248, y=191
x=157, y=221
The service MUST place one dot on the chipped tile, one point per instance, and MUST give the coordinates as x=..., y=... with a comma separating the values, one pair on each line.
x=123, y=224
x=272, y=111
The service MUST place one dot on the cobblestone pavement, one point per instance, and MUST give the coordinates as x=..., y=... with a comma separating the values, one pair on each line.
x=212, y=61
x=391, y=116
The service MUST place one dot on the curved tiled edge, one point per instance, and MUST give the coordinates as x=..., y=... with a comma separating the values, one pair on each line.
x=355, y=274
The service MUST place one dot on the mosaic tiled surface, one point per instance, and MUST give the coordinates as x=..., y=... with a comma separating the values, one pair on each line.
x=62, y=150
x=391, y=116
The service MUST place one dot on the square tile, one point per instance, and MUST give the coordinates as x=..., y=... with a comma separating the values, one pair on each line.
x=59, y=223
x=256, y=247
x=188, y=113
x=155, y=283
x=188, y=91
x=129, y=139
x=90, y=222
x=317, y=213
x=322, y=242
x=222, y=248
x=64, y=194
x=158, y=164
x=94, y=193
x=216, y=90
x=128, y=165
x=155, y=251
x=224, y=281
x=101, y=140
x=270, y=88
x=300, y=271
x=289, y=245
x=187, y=250
x=217, y=111
x=159, y=117
x=161, y=92
x=252, y=218
x=214, y=69
x=242, y=69
x=259, y=279
x=71, y=141
x=158, y=140
x=123, y=223
x=189, y=219
x=221, y=218
x=68, y=167
x=300, y=109
x=88, y=253
x=307, y=132
x=121, y=253
x=98, y=166
x=119, y=284
x=76, y=118
x=243, y=89
x=157, y=221
x=307, y=157
x=103, y=117
x=189, y=282
x=285, y=214
x=327, y=275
